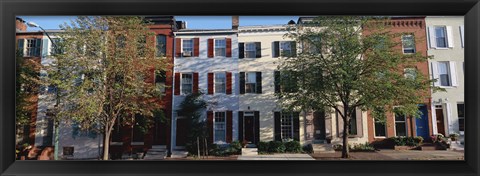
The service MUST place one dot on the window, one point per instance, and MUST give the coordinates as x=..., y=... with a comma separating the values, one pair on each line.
x=408, y=43
x=286, y=126
x=68, y=151
x=461, y=116
x=187, y=46
x=187, y=83
x=250, y=83
x=285, y=48
x=220, y=47
x=220, y=127
x=352, y=127
x=160, y=78
x=410, y=73
x=220, y=82
x=290, y=81
x=400, y=125
x=379, y=128
x=33, y=47
x=250, y=50
x=161, y=45
x=443, y=72
x=441, y=36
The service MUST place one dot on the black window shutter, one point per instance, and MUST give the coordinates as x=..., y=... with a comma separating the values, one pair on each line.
x=242, y=82
x=258, y=48
x=277, y=81
x=278, y=129
x=38, y=47
x=296, y=126
x=259, y=82
x=241, y=50
x=293, y=45
x=257, y=126
x=240, y=126
x=276, y=49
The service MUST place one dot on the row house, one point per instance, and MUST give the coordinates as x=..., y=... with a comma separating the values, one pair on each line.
x=445, y=37
x=413, y=40
x=206, y=61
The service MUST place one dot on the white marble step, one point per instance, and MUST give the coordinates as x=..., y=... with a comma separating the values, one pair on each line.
x=323, y=148
x=249, y=151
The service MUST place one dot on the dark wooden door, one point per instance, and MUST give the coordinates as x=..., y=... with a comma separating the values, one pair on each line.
x=249, y=133
x=160, y=133
x=182, y=125
x=440, y=121
x=319, y=125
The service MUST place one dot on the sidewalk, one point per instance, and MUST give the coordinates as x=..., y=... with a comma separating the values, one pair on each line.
x=394, y=155
x=277, y=157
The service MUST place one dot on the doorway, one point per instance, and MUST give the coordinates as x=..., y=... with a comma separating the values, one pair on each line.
x=440, y=119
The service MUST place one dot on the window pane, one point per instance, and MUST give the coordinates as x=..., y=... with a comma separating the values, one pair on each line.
x=220, y=46
x=408, y=42
x=251, y=77
x=379, y=128
x=187, y=48
x=400, y=129
x=220, y=127
x=250, y=50
x=186, y=83
x=440, y=37
x=220, y=83
x=161, y=45
x=353, y=125
x=287, y=126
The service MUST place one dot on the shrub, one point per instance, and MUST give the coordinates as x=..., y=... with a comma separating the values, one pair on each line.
x=308, y=148
x=362, y=147
x=235, y=148
x=293, y=147
x=263, y=147
x=407, y=141
x=276, y=147
x=454, y=136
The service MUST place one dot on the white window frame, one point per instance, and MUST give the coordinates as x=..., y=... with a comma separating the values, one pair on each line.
x=449, y=74
x=248, y=81
x=247, y=49
x=375, y=130
x=445, y=35
x=182, y=83
x=220, y=47
x=281, y=49
x=289, y=117
x=224, y=83
x=215, y=123
x=33, y=48
x=191, y=47
x=395, y=124
x=413, y=42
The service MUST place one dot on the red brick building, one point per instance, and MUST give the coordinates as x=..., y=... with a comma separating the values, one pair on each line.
x=413, y=28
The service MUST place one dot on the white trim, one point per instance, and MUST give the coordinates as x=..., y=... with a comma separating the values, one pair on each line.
x=462, y=36
x=453, y=73
x=449, y=36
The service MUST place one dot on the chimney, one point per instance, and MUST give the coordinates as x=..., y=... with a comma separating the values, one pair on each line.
x=235, y=22
x=20, y=25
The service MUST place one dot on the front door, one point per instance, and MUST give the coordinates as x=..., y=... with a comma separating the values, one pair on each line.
x=422, y=123
x=319, y=125
x=440, y=121
x=182, y=130
x=249, y=130
x=160, y=132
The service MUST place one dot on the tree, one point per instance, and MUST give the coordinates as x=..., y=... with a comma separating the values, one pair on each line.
x=348, y=63
x=192, y=107
x=27, y=86
x=104, y=73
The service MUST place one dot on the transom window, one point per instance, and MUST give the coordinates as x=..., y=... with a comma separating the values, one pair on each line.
x=408, y=43
x=461, y=116
x=250, y=50
x=400, y=125
x=33, y=47
x=285, y=48
x=187, y=83
x=251, y=82
x=220, y=80
x=444, y=73
x=287, y=126
x=220, y=47
x=220, y=127
x=379, y=128
x=441, y=36
x=187, y=46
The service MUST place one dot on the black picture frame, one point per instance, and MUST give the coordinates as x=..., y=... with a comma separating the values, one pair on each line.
x=9, y=9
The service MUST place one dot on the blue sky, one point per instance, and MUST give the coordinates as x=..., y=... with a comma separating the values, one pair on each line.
x=193, y=22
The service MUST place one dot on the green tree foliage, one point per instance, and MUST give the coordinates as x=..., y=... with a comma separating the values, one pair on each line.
x=348, y=63
x=192, y=108
x=103, y=73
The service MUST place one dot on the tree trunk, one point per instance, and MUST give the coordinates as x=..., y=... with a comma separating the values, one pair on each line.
x=106, y=145
x=56, y=139
x=345, y=150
